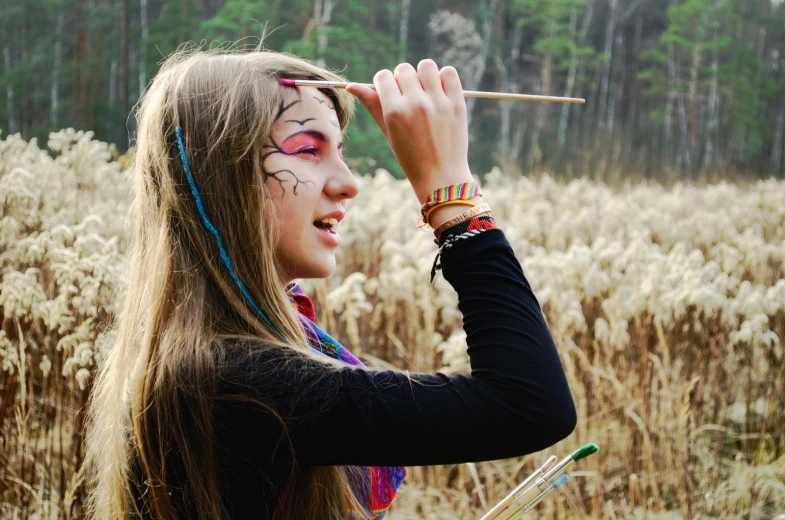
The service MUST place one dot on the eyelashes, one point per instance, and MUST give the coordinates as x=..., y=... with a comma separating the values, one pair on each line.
x=313, y=151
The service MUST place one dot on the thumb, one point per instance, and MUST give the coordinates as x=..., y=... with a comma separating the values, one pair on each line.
x=370, y=100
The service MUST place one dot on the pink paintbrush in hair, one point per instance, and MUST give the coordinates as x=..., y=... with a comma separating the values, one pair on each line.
x=466, y=93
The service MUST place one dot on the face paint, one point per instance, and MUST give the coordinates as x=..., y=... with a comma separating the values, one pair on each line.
x=305, y=141
x=323, y=102
x=304, y=155
x=300, y=122
x=280, y=175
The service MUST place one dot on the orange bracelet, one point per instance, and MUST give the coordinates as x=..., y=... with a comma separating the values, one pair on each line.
x=442, y=204
x=422, y=220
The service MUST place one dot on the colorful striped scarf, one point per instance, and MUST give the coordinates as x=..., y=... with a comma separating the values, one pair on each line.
x=377, y=489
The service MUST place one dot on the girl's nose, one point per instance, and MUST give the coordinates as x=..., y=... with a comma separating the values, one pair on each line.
x=343, y=183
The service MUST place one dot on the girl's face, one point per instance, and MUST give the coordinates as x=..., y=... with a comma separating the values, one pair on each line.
x=309, y=182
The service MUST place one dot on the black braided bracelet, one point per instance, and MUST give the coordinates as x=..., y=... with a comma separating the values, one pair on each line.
x=479, y=222
x=460, y=231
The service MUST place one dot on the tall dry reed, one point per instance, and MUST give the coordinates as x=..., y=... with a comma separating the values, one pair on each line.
x=667, y=305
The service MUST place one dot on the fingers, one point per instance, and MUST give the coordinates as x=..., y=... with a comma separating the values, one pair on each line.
x=428, y=72
x=451, y=83
x=370, y=100
x=407, y=80
x=367, y=96
x=390, y=96
x=397, y=92
x=386, y=87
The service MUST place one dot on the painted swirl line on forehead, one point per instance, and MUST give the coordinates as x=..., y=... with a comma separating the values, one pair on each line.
x=283, y=108
x=275, y=149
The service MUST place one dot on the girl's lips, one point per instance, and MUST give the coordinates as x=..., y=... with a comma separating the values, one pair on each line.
x=331, y=237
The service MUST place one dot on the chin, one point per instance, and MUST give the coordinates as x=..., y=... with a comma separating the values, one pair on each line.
x=320, y=270
x=325, y=272
x=316, y=267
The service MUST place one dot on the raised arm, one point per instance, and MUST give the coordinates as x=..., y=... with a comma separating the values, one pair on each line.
x=515, y=401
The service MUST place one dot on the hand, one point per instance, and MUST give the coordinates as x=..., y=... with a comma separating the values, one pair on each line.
x=423, y=116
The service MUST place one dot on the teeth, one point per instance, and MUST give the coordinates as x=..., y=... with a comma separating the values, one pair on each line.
x=331, y=221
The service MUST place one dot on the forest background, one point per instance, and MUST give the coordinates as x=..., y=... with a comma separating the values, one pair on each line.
x=666, y=298
x=673, y=88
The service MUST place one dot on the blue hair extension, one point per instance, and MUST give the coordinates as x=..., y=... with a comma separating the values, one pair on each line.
x=214, y=232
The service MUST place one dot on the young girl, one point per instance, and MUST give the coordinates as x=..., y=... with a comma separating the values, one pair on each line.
x=221, y=397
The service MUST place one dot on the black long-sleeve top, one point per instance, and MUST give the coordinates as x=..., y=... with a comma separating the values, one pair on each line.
x=515, y=401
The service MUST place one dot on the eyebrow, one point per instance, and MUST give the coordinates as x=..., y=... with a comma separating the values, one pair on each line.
x=316, y=134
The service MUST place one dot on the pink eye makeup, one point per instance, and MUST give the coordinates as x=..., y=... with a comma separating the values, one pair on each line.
x=300, y=143
x=306, y=142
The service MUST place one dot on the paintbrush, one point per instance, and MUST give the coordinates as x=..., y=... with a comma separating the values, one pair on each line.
x=522, y=498
x=561, y=480
x=466, y=93
x=501, y=506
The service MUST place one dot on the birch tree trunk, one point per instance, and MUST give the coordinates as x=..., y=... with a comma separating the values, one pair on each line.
x=143, y=46
x=635, y=91
x=96, y=76
x=403, y=30
x=614, y=95
x=668, y=119
x=713, y=116
x=124, y=62
x=777, y=142
x=9, y=92
x=694, y=67
x=684, y=156
x=25, y=120
x=535, y=157
x=58, y=63
x=79, y=97
x=509, y=150
x=133, y=58
x=610, y=28
x=585, y=24
x=113, y=82
x=565, y=110
x=474, y=81
x=323, y=10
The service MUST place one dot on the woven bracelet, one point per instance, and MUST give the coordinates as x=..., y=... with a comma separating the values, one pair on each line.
x=462, y=191
x=462, y=231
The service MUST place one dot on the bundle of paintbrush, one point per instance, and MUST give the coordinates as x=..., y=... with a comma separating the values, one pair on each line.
x=537, y=485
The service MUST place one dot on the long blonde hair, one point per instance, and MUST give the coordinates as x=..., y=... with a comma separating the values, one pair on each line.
x=180, y=308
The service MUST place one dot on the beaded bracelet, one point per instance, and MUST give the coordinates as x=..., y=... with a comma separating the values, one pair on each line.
x=462, y=191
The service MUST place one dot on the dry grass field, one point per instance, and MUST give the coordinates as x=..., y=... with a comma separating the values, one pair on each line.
x=667, y=305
